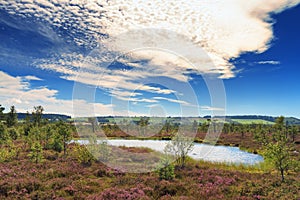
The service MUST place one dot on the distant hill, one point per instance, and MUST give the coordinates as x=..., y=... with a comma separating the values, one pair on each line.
x=258, y=118
x=50, y=117
x=292, y=121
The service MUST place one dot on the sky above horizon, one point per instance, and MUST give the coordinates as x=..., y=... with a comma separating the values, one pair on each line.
x=154, y=58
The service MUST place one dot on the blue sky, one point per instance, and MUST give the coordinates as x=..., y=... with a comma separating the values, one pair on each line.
x=182, y=59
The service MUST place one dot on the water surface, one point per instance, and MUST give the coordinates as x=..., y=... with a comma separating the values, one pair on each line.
x=200, y=151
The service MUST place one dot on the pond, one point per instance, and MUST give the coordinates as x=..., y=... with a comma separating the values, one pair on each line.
x=200, y=151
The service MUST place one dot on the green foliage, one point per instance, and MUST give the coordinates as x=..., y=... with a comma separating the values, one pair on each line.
x=48, y=136
x=278, y=154
x=36, y=152
x=166, y=169
x=252, y=121
x=99, y=149
x=180, y=146
x=3, y=133
x=143, y=123
x=83, y=155
x=37, y=115
x=1, y=112
x=261, y=134
x=104, y=151
x=57, y=144
x=13, y=133
x=65, y=134
x=8, y=152
x=293, y=132
x=34, y=134
x=277, y=149
x=12, y=117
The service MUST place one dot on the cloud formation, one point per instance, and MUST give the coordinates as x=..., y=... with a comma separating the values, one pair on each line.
x=209, y=108
x=222, y=29
x=269, y=62
x=32, y=78
x=17, y=91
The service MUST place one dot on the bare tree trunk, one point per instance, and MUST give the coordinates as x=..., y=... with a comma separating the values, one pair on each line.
x=282, y=175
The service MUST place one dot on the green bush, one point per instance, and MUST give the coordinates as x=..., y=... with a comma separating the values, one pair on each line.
x=83, y=155
x=13, y=133
x=57, y=144
x=7, y=155
x=36, y=152
x=8, y=152
x=3, y=133
x=166, y=170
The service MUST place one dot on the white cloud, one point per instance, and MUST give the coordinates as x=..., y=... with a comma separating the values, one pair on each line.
x=209, y=108
x=153, y=105
x=16, y=91
x=11, y=83
x=269, y=62
x=122, y=84
x=172, y=100
x=224, y=29
x=32, y=78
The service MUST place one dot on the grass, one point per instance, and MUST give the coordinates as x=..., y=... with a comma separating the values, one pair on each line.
x=252, y=121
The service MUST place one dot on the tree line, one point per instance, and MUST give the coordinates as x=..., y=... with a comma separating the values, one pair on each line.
x=34, y=133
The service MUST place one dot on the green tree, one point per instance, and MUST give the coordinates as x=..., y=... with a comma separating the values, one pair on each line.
x=27, y=118
x=278, y=154
x=180, y=146
x=293, y=132
x=261, y=134
x=3, y=133
x=277, y=148
x=36, y=152
x=65, y=133
x=1, y=112
x=57, y=144
x=37, y=115
x=47, y=135
x=34, y=133
x=12, y=117
x=84, y=156
x=8, y=152
x=13, y=133
x=166, y=167
x=143, y=123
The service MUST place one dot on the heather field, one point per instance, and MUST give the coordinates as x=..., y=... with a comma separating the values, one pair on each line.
x=59, y=177
x=37, y=161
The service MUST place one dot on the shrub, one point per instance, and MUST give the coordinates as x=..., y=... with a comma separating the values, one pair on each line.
x=166, y=170
x=57, y=144
x=180, y=146
x=83, y=155
x=36, y=152
x=7, y=154
x=3, y=133
x=13, y=133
